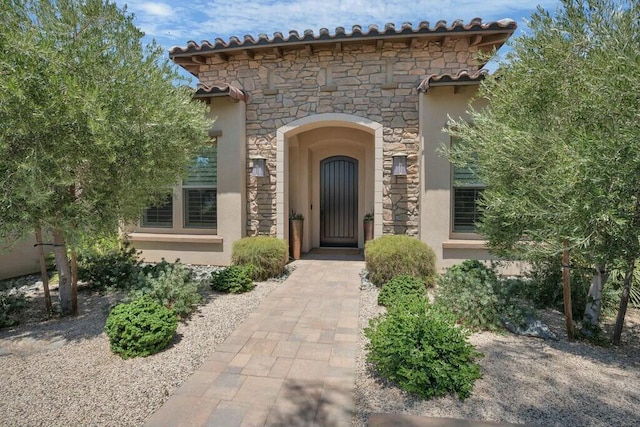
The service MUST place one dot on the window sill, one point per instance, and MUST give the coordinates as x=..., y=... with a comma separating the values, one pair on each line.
x=464, y=244
x=179, y=238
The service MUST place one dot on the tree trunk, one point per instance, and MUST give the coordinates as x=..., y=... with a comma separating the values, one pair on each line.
x=624, y=300
x=594, y=302
x=64, y=272
x=43, y=270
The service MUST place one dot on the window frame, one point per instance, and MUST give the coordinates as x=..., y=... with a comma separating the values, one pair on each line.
x=453, y=233
x=179, y=211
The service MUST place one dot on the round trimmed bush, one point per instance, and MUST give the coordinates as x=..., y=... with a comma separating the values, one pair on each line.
x=267, y=255
x=401, y=287
x=140, y=328
x=390, y=256
x=419, y=347
x=234, y=279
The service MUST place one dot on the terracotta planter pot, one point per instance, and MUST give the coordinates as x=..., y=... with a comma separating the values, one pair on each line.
x=295, y=237
x=368, y=230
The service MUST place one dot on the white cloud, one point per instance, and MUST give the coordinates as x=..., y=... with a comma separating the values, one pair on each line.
x=157, y=9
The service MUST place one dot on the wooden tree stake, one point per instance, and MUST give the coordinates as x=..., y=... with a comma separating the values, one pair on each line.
x=566, y=289
x=74, y=282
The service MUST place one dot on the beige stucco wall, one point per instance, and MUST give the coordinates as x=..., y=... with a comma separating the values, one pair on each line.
x=202, y=246
x=19, y=259
x=436, y=106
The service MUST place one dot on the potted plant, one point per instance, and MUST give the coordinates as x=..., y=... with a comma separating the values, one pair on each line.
x=295, y=234
x=368, y=227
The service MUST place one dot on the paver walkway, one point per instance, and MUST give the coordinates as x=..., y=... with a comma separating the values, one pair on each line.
x=290, y=363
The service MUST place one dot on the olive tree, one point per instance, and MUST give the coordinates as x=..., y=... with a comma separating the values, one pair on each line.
x=94, y=126
x=559, y=145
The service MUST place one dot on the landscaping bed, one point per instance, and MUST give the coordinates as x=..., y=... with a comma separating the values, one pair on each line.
x=525, y=380
x=62, y=372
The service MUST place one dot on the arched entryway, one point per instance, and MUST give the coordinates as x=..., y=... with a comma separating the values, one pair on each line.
x=313, y=156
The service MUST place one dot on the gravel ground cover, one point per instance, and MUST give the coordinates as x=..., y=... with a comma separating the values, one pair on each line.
x=62, y=373
x=525, y=380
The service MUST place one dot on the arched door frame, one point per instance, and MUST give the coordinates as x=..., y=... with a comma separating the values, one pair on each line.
x=316, y=121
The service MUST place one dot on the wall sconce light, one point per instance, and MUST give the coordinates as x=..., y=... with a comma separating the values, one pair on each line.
x=259, y=167
x=399, y=164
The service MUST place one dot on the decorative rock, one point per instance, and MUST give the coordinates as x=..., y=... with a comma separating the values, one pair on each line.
x=534, y=328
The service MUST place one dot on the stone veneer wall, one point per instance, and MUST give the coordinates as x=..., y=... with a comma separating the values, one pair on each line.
x=365, y=80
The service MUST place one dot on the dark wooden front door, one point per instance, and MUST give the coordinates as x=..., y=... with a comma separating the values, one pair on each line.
x=339, y=201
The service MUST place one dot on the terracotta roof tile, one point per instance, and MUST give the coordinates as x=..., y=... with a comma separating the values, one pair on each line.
x=373, y=31
x=461, y=77
x=204, y=91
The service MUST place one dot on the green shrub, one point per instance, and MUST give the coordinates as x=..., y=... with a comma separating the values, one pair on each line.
x=171, y=286
x=390, y=256
x=267, y=255
x=111, y=268
x=140, y=328
x=154, y=269
x=234, y=279
x=10, y=308
x=419, y=347
x=468, y=290
x=544, y=286
x=400, y=287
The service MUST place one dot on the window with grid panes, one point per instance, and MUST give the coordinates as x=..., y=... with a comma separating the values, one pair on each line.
x=467, y=189
x=159, y=216
x=199, y=191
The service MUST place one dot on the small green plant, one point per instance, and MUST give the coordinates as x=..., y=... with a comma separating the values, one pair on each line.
x=267, y=255
x=389, y=256
x=154, y=269
x=400, y=287
x=171, y=285
x=468, y=290
x=234, y=279
x=295, y=216
x=140, y=328
x=10, y=307
x=368, y=216
x=419, y=347
x=112, y=268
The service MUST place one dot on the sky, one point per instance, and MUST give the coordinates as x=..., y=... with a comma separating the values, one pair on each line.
x=175, y=22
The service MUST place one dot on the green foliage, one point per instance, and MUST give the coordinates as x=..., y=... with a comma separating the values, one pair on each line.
x=401, y=287
x=234, y=279
x=172, y=286
x=140, y=328
x=617, y=283
x=390, y=256
x=154, y=269
x=267, y=255
x=419, y=347
x=10, y=306
x=117, y=267
x=469, y=291
x=544, y=289
x=561, y=160
x=94, y=126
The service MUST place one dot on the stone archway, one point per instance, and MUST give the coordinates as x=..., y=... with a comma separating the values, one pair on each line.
x=287, y=136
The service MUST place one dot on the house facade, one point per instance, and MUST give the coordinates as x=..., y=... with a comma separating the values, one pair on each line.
x=332, y=126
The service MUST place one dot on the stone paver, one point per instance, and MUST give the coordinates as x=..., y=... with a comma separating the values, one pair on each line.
x=291, y=362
